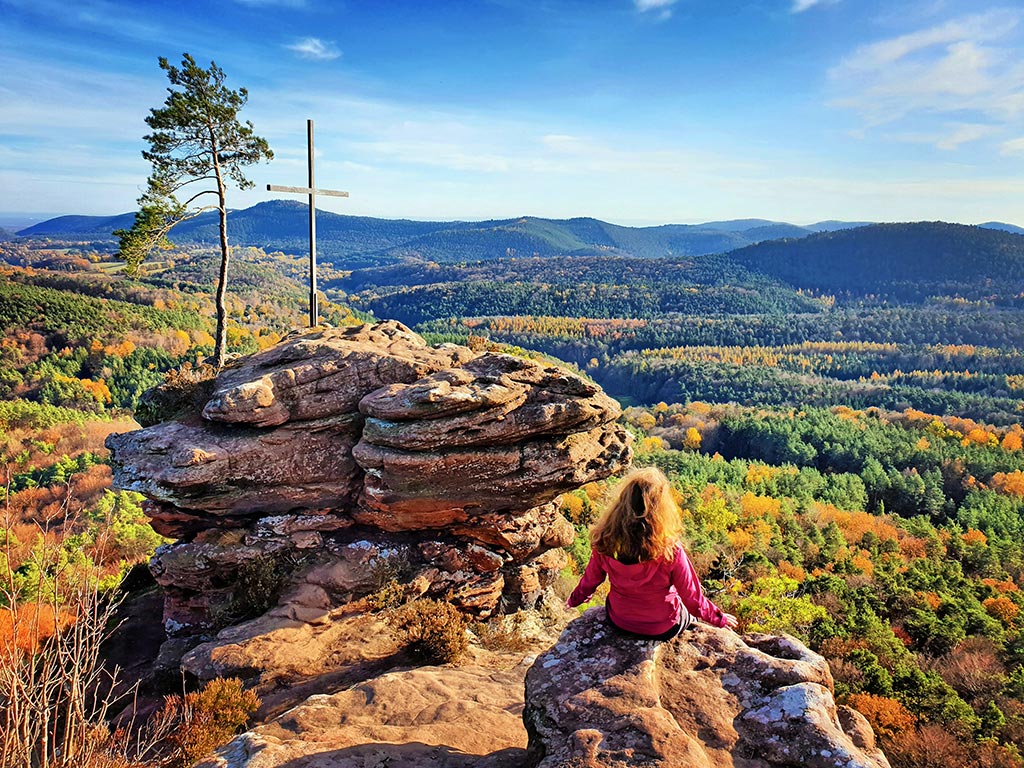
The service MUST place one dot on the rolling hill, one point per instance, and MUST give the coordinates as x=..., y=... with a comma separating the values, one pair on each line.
x=365, y=241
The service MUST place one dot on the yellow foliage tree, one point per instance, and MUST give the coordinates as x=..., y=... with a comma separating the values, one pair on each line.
x=646, y=421
x=650, y=444
x=572, y=507
x=754, y=507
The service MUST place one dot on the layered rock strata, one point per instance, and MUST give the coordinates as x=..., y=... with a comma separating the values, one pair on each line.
x=343, y=458
x=708, y=699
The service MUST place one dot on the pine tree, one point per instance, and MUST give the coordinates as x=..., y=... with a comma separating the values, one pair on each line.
x=197, y=146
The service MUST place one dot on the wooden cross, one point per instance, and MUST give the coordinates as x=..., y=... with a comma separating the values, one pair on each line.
x=314, y=308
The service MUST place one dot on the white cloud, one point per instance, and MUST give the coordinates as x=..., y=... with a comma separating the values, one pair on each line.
x=1013, y=147
x=965, y=134
x=315, y=49
x=964, y=68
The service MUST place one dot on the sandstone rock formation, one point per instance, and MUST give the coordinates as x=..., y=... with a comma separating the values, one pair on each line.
x=708, y=699
x=342, y=458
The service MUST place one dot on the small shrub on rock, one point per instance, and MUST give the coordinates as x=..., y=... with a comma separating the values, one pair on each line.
x=503, y=633
x=184, y=389
x=257, y=587
x=203, y=720
x=389, y=595
x=434, y=630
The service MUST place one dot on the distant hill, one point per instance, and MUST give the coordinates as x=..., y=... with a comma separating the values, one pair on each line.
x=79, y=227
x=905, y=260
x=756, y=230
x=776, y=231
x=833, y=225
x=738, y=225
x=1003, y=226
x=364, y=241
x=826, y=255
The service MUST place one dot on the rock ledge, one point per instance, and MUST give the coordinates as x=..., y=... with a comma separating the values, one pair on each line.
x=708, y=699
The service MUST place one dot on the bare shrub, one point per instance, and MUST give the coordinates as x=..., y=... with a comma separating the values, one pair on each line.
x=388, y=596
x=52, y=711
x=973, y=669
x=184, y=389
x=847, y=676
x=930, y=746
x=933, y=746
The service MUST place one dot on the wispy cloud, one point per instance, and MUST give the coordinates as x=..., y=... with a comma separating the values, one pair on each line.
x=315, y=49
x=1013, y=147
x=663, y=8
x=799, y=6
x=650, y=5
x=951, y=137
x=278, y=3
x=965, y=134
x=967, y=66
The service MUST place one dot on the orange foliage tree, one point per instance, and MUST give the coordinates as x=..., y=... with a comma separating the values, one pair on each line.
x=1010, y=483
x=888, y=717
x=1002, y=608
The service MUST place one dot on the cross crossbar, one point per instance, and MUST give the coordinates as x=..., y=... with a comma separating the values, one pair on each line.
x=306, y=191
x=312, y=191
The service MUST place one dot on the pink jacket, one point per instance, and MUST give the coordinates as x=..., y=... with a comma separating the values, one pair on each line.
x=646, y=597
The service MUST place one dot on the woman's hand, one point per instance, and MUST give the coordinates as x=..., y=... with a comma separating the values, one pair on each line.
x=730, y=621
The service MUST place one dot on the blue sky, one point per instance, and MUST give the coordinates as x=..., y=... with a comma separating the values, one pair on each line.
x=633, y=111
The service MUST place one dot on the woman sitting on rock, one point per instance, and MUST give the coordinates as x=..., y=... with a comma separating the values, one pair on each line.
x=654, y=589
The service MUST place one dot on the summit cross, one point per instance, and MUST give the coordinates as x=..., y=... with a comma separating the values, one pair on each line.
x=312, y=191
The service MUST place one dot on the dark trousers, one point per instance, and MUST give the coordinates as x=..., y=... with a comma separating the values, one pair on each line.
x=684, y=622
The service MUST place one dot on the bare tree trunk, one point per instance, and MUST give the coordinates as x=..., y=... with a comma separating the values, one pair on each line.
x=220, y=350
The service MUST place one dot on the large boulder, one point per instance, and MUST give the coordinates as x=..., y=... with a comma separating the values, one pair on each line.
x=708, y=699
x=288, y=461
x=324, y=373
x=499, y=434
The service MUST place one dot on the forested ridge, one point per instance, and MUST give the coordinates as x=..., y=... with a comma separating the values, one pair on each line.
x=362, y=240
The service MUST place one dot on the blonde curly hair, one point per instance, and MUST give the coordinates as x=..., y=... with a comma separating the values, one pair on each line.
x=642, y=522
